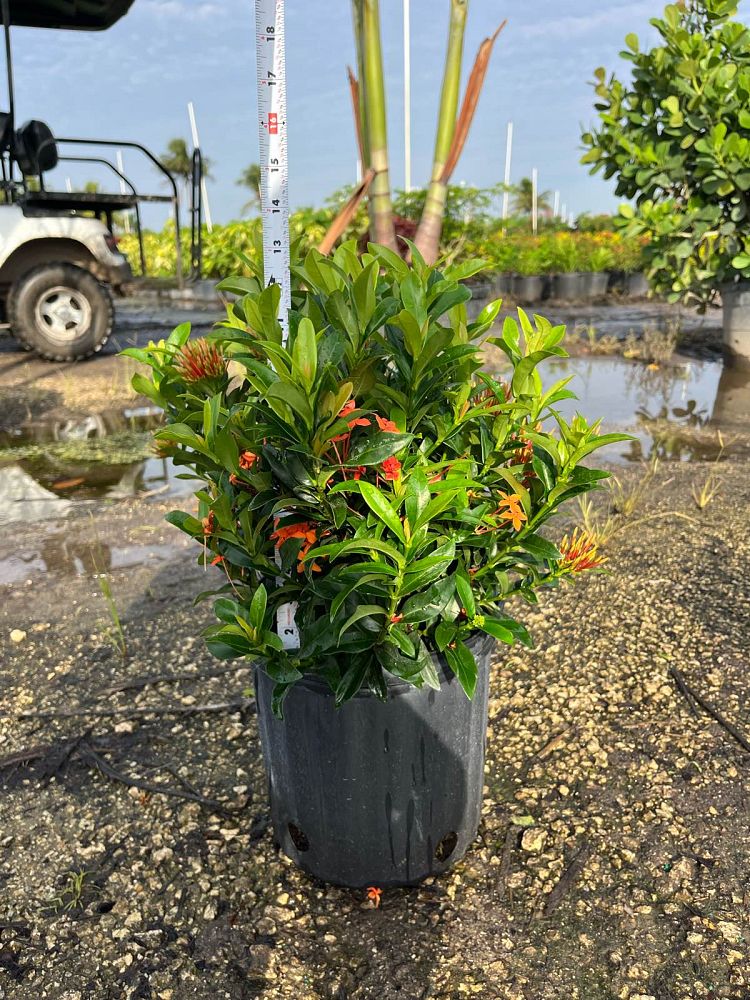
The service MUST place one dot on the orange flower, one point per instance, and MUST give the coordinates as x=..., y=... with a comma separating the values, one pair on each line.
x=209, y=523
x=386, y=425
x=580, y=552
x=348, y=408
x=395, y=619
x=510, y=509
x=200, y=359
x=248, y=459
x=391, y=468
x=360, y=471
x=217, y=560
x=301, y=530
x=374, y=894
x=304, y=530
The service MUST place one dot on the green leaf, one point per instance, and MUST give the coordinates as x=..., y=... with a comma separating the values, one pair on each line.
x=293, y=397
x=429, y=605
x=180, y=335
x=461, y=661
x=379, y=505
x=146, y=387
x=305, y=352
x=465, y=595
x=352, y=679
x=364, y=611
x=257, y=612
x=355, y=585
x=493, y=627
x=374, y=450
x=539, y=547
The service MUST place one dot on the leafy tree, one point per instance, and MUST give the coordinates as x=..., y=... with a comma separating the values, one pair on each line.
x=675, y=137
x=522, y=198
x=250, y=178
x=178, y=160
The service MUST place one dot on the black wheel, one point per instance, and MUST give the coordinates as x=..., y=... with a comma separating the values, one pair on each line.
x=60, y=311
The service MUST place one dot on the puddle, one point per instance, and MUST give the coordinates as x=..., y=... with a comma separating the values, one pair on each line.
x=59, y=554
x=54, y=463
x=675, y=411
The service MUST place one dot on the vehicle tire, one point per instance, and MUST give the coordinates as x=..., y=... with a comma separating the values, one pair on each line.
x=61, y=312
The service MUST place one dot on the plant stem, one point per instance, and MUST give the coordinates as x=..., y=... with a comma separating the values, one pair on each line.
x=381, y=209
x=431, y=223
x=358, y=22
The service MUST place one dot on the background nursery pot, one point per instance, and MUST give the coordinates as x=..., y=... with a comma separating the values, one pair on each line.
x=736, y=302
x=377, y=793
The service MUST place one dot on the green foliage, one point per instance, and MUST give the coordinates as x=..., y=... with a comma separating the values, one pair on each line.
x=368, y=470
x=677, y=139
x=480, y=237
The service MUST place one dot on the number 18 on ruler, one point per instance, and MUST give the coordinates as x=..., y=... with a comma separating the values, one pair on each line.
x=272, y=133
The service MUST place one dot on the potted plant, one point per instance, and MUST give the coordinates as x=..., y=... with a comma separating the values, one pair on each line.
x=530, y=281
x=676, y=137
x=371, y=505
x=568, y=282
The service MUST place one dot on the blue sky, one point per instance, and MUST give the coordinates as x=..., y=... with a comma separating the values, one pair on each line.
x=133, y=82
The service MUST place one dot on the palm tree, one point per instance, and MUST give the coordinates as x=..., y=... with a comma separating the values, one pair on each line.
x=250, y=178
x=523, y=198
x=178, y=160
x=368, y=94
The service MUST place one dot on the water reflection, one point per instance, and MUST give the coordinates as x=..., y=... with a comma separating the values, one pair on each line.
x=44, y=486
x=682, y=412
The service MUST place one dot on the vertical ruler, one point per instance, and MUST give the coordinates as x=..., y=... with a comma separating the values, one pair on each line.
x=274, y=194
x=272, y=134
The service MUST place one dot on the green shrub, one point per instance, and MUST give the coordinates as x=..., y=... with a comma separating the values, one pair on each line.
x=369, y=472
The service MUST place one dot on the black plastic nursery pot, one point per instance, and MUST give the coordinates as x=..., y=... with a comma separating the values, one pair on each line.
x=569, y=285
x=594, y=284
x=377, y=793
x=636, y=285
x=529, y=287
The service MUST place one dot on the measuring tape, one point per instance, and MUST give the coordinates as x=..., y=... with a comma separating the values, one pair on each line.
x=274, y=191
x=274, y=163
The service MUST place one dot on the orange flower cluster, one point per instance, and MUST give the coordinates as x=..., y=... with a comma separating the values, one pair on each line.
x=391, y=468
x=386, y=425
x=209, y=523
x=248, y=460
x=346, y=409
x=304, y=530
x=200, y=359
x=580, y=552
x=509, y=509
x=374, y=894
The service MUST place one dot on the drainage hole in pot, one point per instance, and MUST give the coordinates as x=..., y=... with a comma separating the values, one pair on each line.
x=446, y=847
x=299, y=837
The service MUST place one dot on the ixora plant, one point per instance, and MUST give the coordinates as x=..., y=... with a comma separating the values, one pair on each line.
x=370, y=474
x=677, y=139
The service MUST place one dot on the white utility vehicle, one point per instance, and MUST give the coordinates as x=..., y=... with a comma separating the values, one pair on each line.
x=59, y=261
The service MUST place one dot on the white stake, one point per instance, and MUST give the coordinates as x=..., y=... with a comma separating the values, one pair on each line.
x=407, y=96
x=196, y=145
x=556, y=206
x=69, y=185
x=563, y=216
x=123, y=189
x=508, y=158
x=534, y=200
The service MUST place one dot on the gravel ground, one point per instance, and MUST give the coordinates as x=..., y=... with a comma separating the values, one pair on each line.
x=614, y=848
